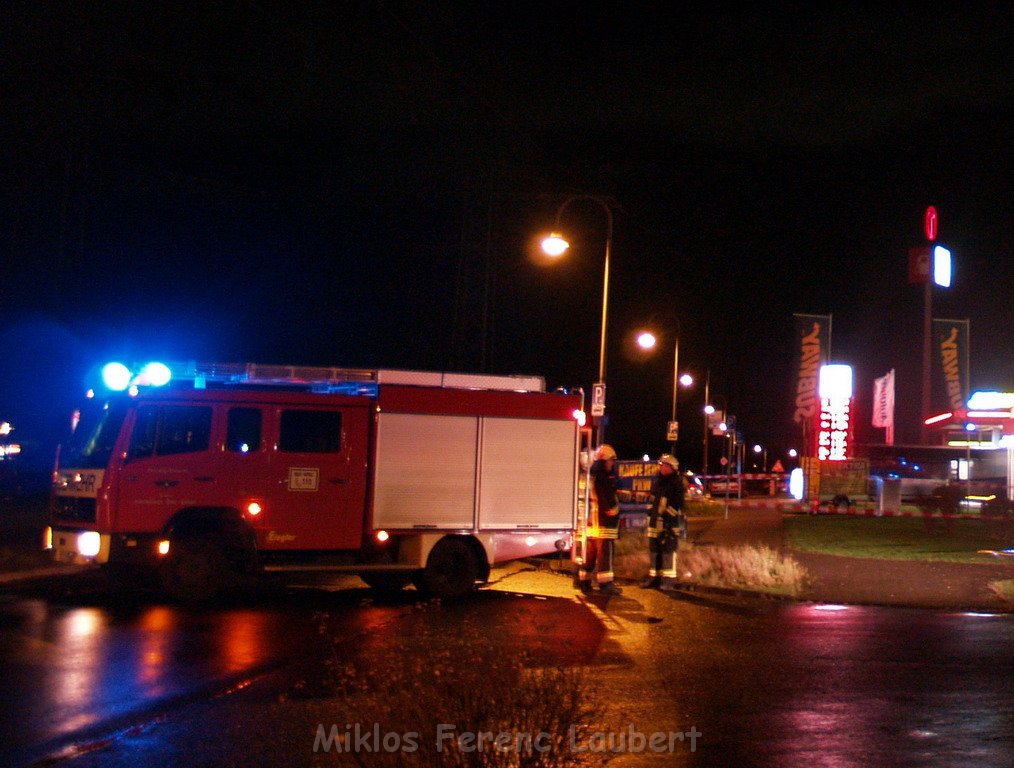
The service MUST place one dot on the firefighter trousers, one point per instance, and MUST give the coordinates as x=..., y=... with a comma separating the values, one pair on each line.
x=662, y=558
x=598, y=560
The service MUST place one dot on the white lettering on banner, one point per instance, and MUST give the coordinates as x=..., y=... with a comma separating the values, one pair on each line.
x=809, y=368
x=304, y=478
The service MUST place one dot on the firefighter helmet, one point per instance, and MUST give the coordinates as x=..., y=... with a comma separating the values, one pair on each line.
x=605, y=452
x=669, y=459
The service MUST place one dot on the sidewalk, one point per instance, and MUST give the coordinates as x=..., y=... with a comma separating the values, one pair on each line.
x=922, y=584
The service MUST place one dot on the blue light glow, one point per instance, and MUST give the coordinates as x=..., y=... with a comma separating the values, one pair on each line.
x=155, y=374
x=116, y=376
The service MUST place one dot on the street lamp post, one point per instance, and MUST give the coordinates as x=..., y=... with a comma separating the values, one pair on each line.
x=759, y=449
x=675, y=386
x=647, y=340
x=708, y=410
x=707, y=404
x=555, y=245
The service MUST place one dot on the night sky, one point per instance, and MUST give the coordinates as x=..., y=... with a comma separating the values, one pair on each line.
x=360, y=184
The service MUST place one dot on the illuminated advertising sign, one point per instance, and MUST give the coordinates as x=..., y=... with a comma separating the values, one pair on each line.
x=834, y=423
x=950, y=367
x=812, y=348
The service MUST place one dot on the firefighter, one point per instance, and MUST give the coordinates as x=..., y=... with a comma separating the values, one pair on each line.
x=603, y=525
x=666, y=524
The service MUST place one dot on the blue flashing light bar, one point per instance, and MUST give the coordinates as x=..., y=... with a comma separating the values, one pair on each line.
x=119, y=378
x=116, y=376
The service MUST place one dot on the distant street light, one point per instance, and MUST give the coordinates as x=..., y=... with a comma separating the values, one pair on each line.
x=708, y=410
x=760, y=449
x=555, y=245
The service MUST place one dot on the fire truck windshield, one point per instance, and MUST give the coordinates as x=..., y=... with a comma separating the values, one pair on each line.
x=93, y=436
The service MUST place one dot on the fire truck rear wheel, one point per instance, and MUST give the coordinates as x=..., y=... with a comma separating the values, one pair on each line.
x=194, y=570
x=451, y=569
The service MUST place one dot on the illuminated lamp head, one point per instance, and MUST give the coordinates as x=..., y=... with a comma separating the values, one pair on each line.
x=646, y=340
x=116, y=376
x=555, y=245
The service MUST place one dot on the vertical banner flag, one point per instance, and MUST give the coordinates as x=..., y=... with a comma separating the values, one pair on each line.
x=883, y=404
x=951, y=340
x=813, y=349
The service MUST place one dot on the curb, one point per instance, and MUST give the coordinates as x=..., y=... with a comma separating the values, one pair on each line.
x=750, y=594
x=861, y=509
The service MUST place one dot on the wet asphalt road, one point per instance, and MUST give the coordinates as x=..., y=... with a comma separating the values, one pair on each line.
x=98, y=677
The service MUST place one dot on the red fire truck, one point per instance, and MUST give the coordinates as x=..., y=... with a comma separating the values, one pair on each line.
x=397, y=476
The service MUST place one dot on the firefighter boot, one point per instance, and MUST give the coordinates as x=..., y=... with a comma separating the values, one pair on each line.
x=652, y=582
x=608, y=588
x=585, y=586
x=669, y=585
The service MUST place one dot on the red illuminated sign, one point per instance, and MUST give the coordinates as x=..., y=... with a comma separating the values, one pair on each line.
x=931, y=223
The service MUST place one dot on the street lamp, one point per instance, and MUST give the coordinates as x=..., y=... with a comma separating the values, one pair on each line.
x=969, y=429
x=647, y=340
x=759, y=449
x=708, y=410
x=556, y=245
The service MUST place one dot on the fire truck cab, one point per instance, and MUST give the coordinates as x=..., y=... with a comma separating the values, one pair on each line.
x=397, y=476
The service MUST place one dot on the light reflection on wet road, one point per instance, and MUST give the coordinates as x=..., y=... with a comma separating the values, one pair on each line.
x=774, y=684
x=66, y=669
x=856, y=686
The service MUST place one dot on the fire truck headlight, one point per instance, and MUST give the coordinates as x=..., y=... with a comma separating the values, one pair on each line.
x=163, y=547
x=253, y=509
x=88, y=543
x=382, y=536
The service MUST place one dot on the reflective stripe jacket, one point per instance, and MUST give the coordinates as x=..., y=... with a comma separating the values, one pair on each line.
x=667, y=493
x=604, y=515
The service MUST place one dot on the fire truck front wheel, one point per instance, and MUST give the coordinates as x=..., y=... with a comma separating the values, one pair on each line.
x=194, y=570
x=451, y=569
